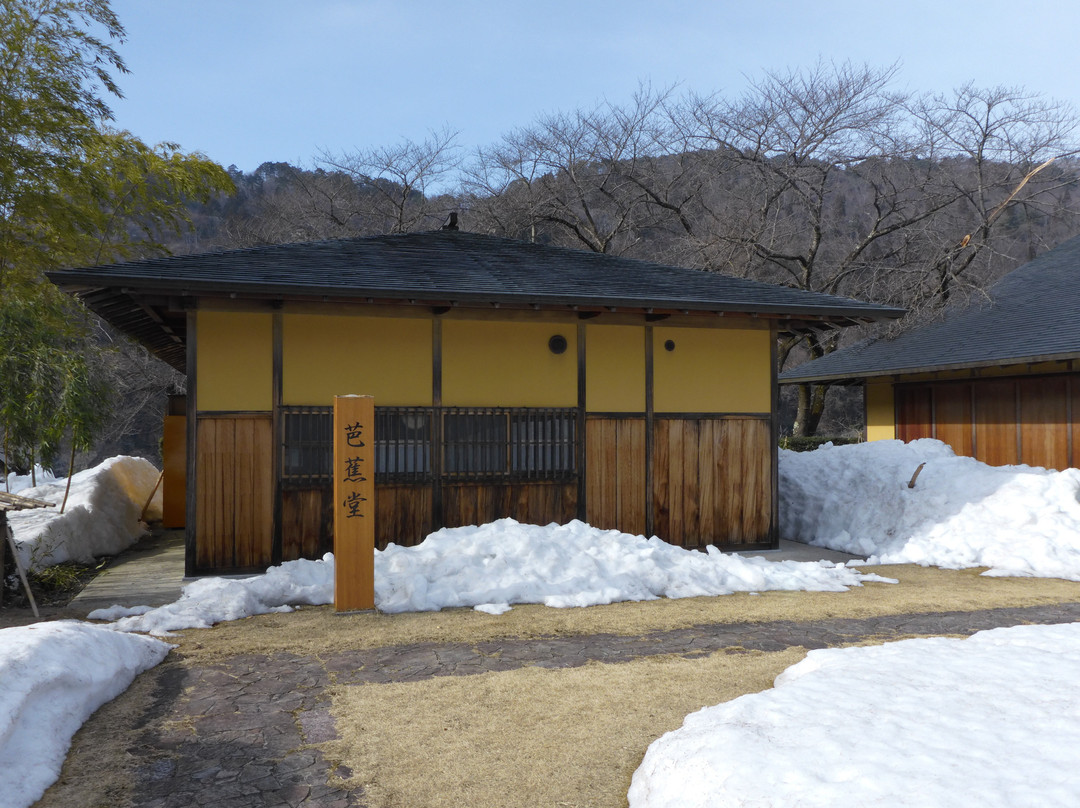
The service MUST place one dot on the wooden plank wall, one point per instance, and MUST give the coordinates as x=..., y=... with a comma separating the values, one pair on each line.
x=712, y=481
x=533, y=502
x=1002, y=421
x=174, y=467
x=1044, y=428
x=402, y=514
x=307, y=523
x=234, y=492
x=615, y=493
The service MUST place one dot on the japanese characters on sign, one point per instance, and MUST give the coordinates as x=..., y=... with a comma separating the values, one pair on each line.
x=354, y=503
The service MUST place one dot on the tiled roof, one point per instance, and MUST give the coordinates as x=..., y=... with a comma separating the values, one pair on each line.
x=146, y=299
x=460, y=266
x=1030, y=315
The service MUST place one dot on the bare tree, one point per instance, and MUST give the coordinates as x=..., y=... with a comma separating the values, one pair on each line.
x=836, y=183
x=575, y=178
x=294, y=205
x=998, y=148
x=407, y=182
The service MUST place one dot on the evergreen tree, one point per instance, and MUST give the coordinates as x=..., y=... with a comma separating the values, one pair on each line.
x=73, y=192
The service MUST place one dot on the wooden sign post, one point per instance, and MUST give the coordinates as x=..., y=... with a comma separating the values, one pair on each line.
x=354, y=503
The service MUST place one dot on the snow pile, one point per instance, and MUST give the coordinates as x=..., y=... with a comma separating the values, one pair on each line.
x=493, y=566
x=215, y=600
x=52, y=677
x=101, y=518
x=575, y=564
x=992, y=720
x=1017, y=520
x=16, y=483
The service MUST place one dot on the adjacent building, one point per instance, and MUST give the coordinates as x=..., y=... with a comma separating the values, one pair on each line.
x=997, y=379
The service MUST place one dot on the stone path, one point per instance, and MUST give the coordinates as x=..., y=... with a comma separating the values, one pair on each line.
x=237, y=734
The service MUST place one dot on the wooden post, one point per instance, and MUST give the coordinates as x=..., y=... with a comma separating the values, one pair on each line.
x=354, y=503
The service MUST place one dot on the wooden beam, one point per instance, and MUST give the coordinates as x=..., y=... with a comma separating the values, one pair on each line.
x=650, y=514
x=354, y=503
x=579, y=431
x=191, y=404
x=277, y=436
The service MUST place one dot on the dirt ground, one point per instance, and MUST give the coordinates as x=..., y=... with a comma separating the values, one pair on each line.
x=920, y=589
x=523, y=737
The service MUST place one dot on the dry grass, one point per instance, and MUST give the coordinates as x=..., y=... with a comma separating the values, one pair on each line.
x=530, y=737
x=922, y=589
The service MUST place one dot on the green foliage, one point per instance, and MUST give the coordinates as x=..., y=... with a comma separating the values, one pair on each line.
x=61, y=577
x=50, y=387
x=72, y=192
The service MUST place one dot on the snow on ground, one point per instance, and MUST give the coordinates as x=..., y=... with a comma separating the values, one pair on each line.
x=991, y=720
x=101, y=517
x=495, y=565
x=17, y=483
x=52, y=677
x=1017, y=520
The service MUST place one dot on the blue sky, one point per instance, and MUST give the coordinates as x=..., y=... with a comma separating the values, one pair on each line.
x=247, y=81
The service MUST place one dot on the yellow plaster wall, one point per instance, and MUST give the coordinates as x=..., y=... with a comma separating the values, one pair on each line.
x=507, y=364
x=615, y=368
x=712, y=370
x=234, y=354
x=880, y=411
x=327, y=355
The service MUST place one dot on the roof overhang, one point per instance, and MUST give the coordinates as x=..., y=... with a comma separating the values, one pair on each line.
x=153, y=311
x=899, y=373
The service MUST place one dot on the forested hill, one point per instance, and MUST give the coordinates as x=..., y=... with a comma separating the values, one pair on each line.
x=825, y=179
x=681, y=209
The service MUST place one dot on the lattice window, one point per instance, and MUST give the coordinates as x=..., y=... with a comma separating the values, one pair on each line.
x=477, y=443
x=307, y=451
x=402, y=444
x=520, y=443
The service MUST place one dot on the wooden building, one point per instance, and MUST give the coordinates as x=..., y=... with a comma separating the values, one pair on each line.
x=997, y=379
x=510, y=379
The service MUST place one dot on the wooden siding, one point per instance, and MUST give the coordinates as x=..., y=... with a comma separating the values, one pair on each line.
x=615, y=481
x=403, y=514
x=1044, y=423
x=533, y=503
x=914, y=414
x=307, y=529
x=952, y=417
x=234, y=492
x=996, y=423
x=712, y=481
x=1000, y=421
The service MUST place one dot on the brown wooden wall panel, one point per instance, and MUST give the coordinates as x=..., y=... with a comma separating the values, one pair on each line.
x=402, y=514
x=1074, y=421
x=234, y=492
x=535, y=503
x=746, y=478
x=174, y=468
x=915, y=413
x=615, y=474
x=712, y=481
x=1000, y=421
x=1044, y=422
x=307, y=523
x=995, y=423
x=952, y=417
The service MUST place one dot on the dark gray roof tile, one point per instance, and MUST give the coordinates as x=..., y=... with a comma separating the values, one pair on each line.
x=462, y=266
x=1032, y=314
